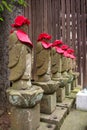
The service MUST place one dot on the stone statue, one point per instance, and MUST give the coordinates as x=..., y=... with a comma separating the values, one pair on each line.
x=43, y=64
x=56, y=62
x=22, y=92
x=20, y=54
x=43, y=59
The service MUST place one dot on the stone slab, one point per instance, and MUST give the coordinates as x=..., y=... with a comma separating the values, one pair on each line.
x=24, y=119
x=71, y=95
x=46, y=126
x=67, y=103
x=57, y=117
x=60, y=94
x=77, y=89
x=68, y=89
x=48, y=103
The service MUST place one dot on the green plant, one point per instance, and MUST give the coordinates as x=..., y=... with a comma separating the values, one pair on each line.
x=8, y=6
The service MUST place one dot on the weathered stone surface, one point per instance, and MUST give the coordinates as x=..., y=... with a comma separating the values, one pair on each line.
x=48, y=103
x=64, y=64
x=71, y=95
x=43, y=63
x=66, y=103
x=47, y=126
x=25, y=98
x=68, y=89
x=41, y=57
x=25, y=119
x=62, y=81
x=57, y=117
x=48, y=87
x=56, y=62
x=19, y=62
x=60, y=94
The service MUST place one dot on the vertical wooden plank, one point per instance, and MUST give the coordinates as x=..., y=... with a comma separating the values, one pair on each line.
x=53, y=20
x=63, y=20
x=84, y=42
x=57, y=17
x=38, y=25
x=30, y=18
x=79, y=58
x=41, y=14
x=68, y=22
x=73, y=26
x=45, y=29
x=49, y=17
x=33, y=8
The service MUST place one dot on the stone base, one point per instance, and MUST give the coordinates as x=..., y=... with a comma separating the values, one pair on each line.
x=47, y=126
x=60, y=94
x=49, y=87
x=57, y=117
x=48, y=103
x=68, y=89
x=27, y=98
x=74, y=84
x=25, y=119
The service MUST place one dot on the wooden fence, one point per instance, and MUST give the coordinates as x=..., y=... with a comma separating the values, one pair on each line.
x=65, y=20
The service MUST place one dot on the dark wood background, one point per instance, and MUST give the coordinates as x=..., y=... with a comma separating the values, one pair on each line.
x=65, y=20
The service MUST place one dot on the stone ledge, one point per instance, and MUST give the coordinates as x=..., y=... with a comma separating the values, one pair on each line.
x=57, y=117
x=67, y=103
x=46, y=126
x=71, y=95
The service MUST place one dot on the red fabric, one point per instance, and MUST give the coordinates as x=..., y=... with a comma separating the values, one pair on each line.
x=65, y=47
x=20, y=20
x=59, y=50
x=72, y=56
x=23, y=37
x=56, y=43
x=66, y=54
x=46, y=45
x=44, y=36
x=70, y=51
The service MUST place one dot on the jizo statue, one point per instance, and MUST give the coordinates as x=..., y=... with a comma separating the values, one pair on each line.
x=43, y=58
x=20, y=54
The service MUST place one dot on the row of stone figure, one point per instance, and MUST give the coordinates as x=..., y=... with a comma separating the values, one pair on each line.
x=55, y=77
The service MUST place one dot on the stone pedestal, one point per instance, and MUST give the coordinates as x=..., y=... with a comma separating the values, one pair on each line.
x=25, y=113
x=68, y=89
x=60, y=93
x=48, y=103
x=25, y=119
x=75, y=80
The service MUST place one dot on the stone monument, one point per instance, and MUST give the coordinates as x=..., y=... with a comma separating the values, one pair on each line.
x=43, y=74
x=67, y=65
x=56, y=68
x=22, y=95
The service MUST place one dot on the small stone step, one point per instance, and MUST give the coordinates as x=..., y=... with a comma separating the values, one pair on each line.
x=67, y=103
x=71, y=95
x=57, y=117
x=46, y=126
